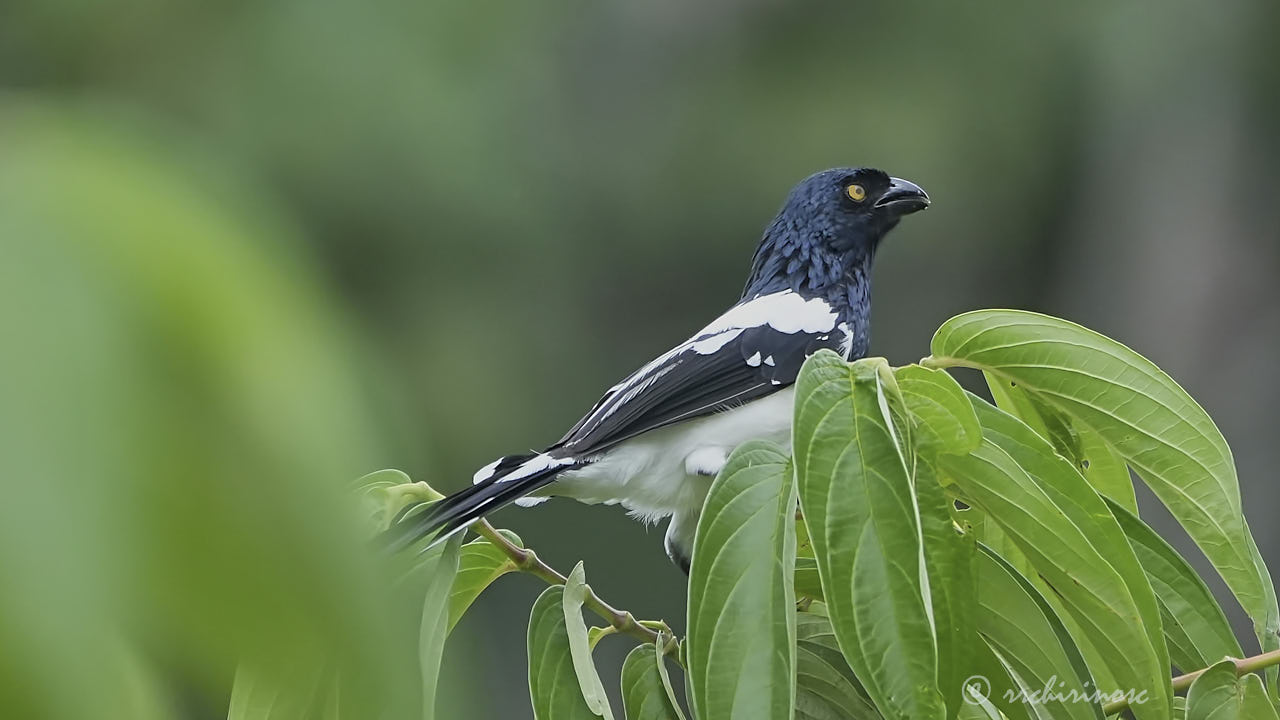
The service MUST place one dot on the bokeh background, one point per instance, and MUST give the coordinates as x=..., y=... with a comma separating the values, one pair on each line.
x=252, y=251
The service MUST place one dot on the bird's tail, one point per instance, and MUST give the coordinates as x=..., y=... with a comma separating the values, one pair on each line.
x=496, y=485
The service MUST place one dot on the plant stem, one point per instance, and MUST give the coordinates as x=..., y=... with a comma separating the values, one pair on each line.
x=527, y=561
x=1182, y=682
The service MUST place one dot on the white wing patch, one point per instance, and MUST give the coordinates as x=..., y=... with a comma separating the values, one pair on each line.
x=846, y=345
x=785, y=312
x=535, y=465
x=485, y=472
x=712, y=343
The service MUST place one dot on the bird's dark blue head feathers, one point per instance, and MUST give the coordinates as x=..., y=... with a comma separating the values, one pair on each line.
x=824, y=238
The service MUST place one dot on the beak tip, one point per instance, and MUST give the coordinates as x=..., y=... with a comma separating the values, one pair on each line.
x=904, y=197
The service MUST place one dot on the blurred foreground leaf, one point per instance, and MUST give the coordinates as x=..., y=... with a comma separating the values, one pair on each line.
x=442, y=569
x=180, y=421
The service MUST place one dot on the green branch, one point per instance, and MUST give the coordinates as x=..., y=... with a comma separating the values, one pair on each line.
x=527, y=561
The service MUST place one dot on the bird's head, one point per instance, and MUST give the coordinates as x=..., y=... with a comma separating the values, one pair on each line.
x=830, y=226
x=848, y=209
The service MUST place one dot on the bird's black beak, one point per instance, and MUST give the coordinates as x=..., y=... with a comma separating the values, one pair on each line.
x=903, y=197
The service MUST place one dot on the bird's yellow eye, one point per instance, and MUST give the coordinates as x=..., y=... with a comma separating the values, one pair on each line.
x=856, y=193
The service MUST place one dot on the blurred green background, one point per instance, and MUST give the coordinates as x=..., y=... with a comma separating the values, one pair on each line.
x=252, y=251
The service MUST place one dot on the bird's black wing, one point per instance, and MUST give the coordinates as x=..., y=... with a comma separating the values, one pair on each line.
x=754, y=349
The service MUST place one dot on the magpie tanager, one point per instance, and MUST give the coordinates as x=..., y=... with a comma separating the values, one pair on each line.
x=655, y=440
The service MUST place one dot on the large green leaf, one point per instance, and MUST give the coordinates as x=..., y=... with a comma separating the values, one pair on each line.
x=553, y=684
x=481, y=562
x=826, y=688
x=575, y=592
x=441, y=568
x=859, y=507
x=1100, y=464
x=741, y=641
x=1068, y=535
x=645, y=693
x=1160, y=431
x=1030, y=641
x=1194, y=625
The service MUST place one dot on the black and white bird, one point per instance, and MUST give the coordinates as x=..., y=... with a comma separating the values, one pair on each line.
x=655, y=440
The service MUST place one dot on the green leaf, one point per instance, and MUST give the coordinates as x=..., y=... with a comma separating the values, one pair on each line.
x=481, y=563
x=1030, y=641
x=1254, y=703
x=1100, y=464
x=1140, y=411
x=646, y=694
x=826, y=688
x=943, y=415
x=1194, y=625
x=441, y=569
x=377, y=480
x=575, y=592
x=978, y=707
x=1079, y=551
x=997, y=541
x=1216, y=695
x=596, y=634
x=388, y=492
x=949, y=559
x=857, y=494
x=553, y=682
x=808, y=584
x=992, y=674
x=741, y=641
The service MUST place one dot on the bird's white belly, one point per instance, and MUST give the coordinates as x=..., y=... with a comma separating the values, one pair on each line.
x=669, y=470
